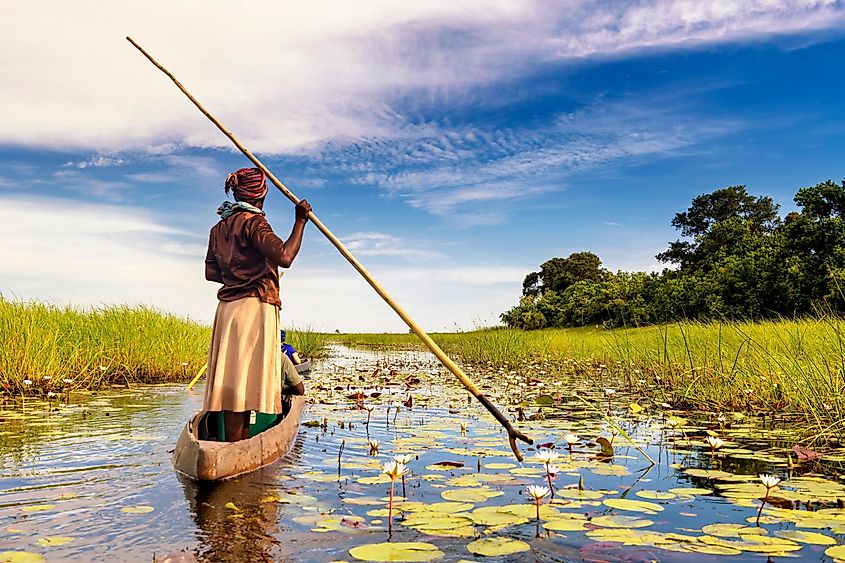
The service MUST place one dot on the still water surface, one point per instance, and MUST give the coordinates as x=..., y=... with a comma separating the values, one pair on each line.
x=93, y=480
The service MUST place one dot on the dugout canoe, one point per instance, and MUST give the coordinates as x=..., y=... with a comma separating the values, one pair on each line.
x=304, y=367
x=210, y=460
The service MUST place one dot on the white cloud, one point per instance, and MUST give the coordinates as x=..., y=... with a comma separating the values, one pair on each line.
x=382, y=244
x=289, y=78
x=93, y=254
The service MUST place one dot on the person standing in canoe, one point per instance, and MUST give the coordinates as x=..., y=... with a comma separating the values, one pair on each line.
x=245, y=368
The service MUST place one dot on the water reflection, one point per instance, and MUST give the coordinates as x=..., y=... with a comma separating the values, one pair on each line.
x=110, y=451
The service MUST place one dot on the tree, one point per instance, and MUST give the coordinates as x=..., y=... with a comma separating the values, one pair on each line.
x=815, y=245
x=718, y=221
x=557, y=274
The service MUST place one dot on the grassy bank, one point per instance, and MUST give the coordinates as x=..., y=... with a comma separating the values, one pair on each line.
x=56, y=348
x=796, y=366
x=61, y=348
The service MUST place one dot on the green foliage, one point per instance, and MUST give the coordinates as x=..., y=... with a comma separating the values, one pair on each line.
x=45, y=345
x=307, y=341
x=737, y=260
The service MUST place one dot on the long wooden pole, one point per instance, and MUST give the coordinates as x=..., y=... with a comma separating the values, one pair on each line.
x=513, y=433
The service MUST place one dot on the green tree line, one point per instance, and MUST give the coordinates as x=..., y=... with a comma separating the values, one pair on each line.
x=736, y=258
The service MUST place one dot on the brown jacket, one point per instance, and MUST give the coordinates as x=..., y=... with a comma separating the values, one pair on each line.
x=243, y=254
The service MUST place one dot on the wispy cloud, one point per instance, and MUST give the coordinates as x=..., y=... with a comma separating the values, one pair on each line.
x=318, y=73
x=444, y=169
x=99, y=161
x=381, y=244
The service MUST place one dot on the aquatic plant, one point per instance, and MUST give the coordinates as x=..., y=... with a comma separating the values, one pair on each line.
x=546, y=456
x=769, y=481
x=392, y=469
x=571, y=439
x=62, y=348
x=714, y=443
x=373, y=444
x=537, y=492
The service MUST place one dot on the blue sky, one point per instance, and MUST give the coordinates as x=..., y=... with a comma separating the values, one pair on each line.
x=452, y=147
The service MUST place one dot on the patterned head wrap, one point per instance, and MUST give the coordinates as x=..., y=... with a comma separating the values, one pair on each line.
x=247, y=183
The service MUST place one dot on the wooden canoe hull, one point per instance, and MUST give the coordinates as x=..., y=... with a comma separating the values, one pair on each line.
x=205, y=460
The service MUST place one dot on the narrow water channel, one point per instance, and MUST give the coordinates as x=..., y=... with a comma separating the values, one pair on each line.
x=91, y=479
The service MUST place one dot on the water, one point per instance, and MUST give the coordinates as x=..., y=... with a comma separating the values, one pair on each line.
x=93, y=480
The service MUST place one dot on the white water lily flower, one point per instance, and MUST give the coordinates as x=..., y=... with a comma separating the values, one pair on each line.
x=184, y=364
x=27, y=382
x=537, y=492
x=546, y=455
x=394, y=469
x=609, y=392
x=51, y=394
x=553, y=470
x=571, y=439
x=47, y=377
x=715, y=443
x=67, y=380
x=769, y=480
x=373, y=444
x=403, y=458
x=103, y=368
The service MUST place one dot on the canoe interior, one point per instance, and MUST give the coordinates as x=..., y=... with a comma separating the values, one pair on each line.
x=209, y=460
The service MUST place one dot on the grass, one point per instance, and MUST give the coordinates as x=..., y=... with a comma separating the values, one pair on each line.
x=47, y=345
x=60, y=348
x=307, y=341
x=768, y=367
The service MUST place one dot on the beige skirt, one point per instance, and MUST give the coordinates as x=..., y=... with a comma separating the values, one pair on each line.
x=244, y=360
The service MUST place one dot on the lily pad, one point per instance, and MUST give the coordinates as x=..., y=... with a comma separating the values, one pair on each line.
x=619, y=521
x=565, y=525
x=20, y=557
x=799, y=536
x=492, y=547
x=656, y=495
x=396, y=551
x=633, y=505
x=54, y=541
x=138, y=509
x=38, y=507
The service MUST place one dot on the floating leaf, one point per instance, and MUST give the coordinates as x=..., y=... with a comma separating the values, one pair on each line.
x=493, y=518
x=492, y=547
x=38, y=507
x=633, y=505
x=577, y=494
x=544, y=401
x=469, y=495
x=837, y=552
x=54, y=541
x=605, y=445
x=396, y=551
x=656, y=495
x=139, y=509
x=712, y=549
x=231, y=506
x=687, y=491
x=565, y=525
x=707, y=473
x=619, y=521
x=731, y=530
x=20, y=557
x=499, y=465
x=799, y=536
x=635, y=408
